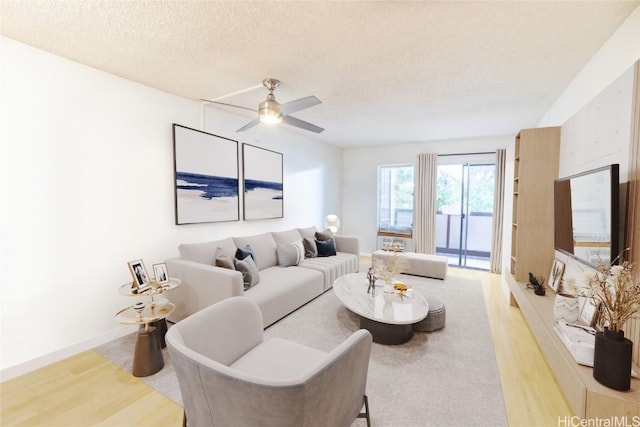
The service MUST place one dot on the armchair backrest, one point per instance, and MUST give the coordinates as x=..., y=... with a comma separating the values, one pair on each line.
x=203, y=346
x=222, y=332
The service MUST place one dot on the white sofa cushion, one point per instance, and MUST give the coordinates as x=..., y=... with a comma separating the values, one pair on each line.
x=263, y=246
x=427, y=265
x=282, y=290
x=333, y=267
x=289, y=236
x=279, y=359
x=309, y=232
x=205, y=253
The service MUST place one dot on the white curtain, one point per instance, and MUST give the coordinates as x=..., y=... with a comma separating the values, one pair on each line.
x=425, y=203
x=498, y=208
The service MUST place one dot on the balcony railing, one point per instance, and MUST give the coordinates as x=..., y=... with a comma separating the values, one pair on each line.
x=478, y=239
x=478, y=229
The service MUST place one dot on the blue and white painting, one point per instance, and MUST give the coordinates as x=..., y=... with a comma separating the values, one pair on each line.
x=206, y=177
x=262, y=172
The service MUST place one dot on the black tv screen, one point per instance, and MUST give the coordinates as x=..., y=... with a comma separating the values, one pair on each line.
x=586, y=208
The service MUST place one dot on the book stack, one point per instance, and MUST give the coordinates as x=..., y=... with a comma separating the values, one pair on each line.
x=579, y=340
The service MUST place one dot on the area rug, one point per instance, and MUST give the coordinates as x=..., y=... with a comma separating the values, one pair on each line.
x=443, y=378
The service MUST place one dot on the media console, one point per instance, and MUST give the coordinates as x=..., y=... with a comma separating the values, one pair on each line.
x=588, y=398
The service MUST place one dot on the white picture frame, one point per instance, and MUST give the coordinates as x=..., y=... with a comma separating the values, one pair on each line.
x=589, y=312
x=161, y=273
x=141, y=280
x=555, y=276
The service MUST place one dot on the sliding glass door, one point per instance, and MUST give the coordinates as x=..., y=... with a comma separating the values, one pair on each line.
x=465, y=214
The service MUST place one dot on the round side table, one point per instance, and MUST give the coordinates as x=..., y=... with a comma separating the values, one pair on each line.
x=147, y=357
x=156, y=293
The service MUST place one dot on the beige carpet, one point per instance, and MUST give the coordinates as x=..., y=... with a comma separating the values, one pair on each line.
x=443, y=378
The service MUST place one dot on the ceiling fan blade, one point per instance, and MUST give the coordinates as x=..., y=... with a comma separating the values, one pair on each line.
x=290, y=120
x=228, y=105
x=249, y=125
x=299, y=104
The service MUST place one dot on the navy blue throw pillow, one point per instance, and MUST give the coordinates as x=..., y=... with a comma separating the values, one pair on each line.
x=242, y=253
x=326, y=247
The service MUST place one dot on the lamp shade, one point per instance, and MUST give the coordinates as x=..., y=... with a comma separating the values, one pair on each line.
x=332, y=222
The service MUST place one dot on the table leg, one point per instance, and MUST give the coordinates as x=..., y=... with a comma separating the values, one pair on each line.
x=161, y=325
x=147, y=357
x=385, y=333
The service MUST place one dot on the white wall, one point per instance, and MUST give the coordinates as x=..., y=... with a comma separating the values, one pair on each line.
x=359, y=204
x=595, y=114
x=615, y=57
x=599, y=133
x=87, y=185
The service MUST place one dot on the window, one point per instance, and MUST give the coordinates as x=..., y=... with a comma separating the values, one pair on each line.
x=395, y=199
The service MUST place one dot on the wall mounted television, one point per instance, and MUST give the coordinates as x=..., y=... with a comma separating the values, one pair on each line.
x=586, y=215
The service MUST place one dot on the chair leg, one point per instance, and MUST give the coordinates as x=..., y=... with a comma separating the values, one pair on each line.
x=365, y=414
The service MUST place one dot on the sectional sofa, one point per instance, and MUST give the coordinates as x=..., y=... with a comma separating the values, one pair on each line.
x=280, y=271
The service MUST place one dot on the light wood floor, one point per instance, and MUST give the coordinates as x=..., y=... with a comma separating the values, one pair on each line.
x=87, y=389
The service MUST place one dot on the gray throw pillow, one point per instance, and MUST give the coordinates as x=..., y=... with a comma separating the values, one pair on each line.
x=223, y=259
x=290, y=254
x=310, y=248
x=324, y=235
x=249, y=270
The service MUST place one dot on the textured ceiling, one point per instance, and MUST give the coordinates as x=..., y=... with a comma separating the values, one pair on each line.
x=386, y=71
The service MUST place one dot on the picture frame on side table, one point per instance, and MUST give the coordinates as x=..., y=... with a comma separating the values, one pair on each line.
x=262, y=175
x=206, y=177
x=160, y=272
x=555, y=276
x=141, y=280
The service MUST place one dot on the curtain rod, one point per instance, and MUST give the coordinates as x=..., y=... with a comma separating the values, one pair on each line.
x=466, y=154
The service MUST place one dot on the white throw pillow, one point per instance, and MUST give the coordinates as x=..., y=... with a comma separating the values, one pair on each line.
x=290, y=254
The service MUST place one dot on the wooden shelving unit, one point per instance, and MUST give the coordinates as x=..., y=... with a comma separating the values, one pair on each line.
x=536, y=158
x=588, y=398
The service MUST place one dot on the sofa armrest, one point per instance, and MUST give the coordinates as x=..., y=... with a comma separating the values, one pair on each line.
x=349, y=244
x=202, y=285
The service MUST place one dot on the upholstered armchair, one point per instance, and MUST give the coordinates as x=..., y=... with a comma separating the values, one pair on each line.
x=230, y=376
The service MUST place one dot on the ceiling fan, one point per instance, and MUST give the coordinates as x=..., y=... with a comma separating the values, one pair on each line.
x=271, y=111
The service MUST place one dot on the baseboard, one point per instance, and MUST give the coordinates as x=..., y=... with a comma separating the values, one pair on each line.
x=47, y=359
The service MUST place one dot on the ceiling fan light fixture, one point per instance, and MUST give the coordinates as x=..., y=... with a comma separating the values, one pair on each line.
x=270, y=118
x=272, y=112
x=269, y=111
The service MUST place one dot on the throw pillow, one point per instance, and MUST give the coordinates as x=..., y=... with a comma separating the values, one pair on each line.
x=290, y=254
x=310, y=248
x=249, y=270
x=326, y=247
x=223, y=259
x=242, y=253
x=324, y=235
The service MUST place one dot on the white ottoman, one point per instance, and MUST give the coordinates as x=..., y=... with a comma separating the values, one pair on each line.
x=425, y=265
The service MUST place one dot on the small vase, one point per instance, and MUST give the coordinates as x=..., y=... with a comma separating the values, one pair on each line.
x=612, y=359
x=387, y=292
x=566, y=307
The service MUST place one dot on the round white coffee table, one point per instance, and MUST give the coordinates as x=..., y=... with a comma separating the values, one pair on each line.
x=390, y=320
